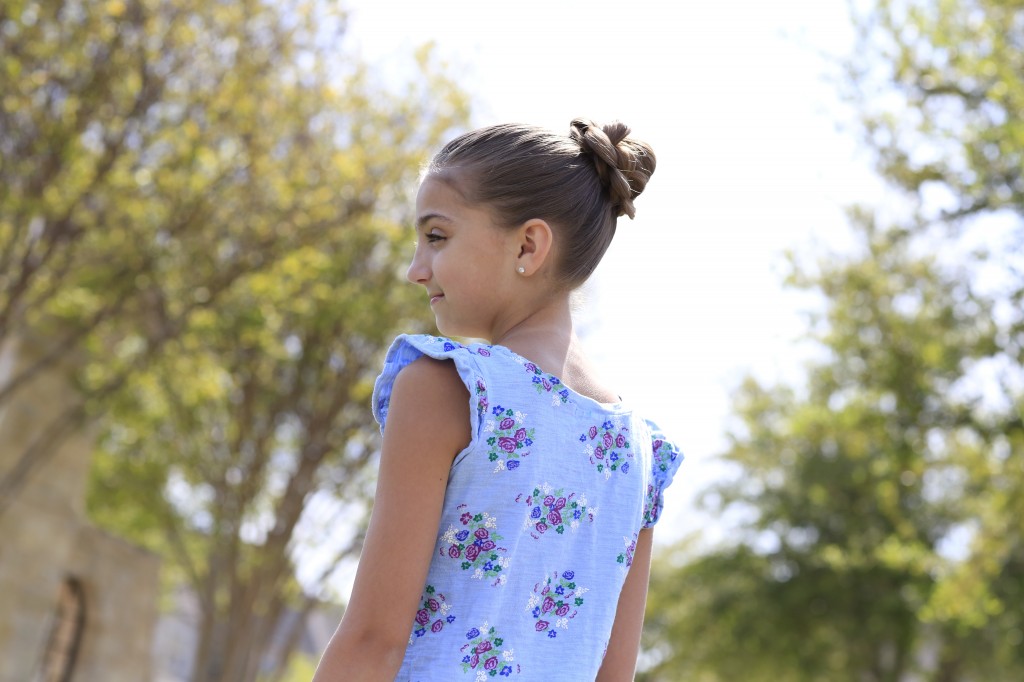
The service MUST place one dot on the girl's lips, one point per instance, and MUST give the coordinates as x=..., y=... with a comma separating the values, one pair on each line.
x=435, y=298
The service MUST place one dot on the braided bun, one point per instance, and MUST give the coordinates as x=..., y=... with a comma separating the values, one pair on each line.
x=624, y=165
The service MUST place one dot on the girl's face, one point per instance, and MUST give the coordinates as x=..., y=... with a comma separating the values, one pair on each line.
x=466, y=263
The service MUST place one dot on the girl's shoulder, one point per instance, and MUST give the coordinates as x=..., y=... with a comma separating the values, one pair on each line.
x=469, y=361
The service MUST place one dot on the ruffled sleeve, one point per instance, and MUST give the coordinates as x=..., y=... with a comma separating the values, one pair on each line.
x=467, y=359
x=665, y=461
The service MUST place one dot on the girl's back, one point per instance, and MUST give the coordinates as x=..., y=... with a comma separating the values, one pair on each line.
x=539, y=523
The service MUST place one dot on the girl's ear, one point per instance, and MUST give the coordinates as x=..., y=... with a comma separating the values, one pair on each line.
x=535, y=244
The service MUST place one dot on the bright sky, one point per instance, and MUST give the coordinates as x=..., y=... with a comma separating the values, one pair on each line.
x=750, y=162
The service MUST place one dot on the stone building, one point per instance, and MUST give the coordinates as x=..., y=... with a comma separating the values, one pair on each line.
x=76, y=604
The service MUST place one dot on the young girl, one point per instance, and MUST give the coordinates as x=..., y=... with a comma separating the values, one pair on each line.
x=511, y=532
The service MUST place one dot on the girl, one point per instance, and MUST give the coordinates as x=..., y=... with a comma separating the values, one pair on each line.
x=511, y=532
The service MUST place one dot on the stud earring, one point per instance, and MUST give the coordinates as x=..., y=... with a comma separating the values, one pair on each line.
x=521, y=270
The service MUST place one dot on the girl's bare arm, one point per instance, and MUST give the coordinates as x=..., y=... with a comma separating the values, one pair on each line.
x=427, y=425
x=619, y=663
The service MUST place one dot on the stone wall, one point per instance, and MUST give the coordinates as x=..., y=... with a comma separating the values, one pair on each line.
x=46, y=540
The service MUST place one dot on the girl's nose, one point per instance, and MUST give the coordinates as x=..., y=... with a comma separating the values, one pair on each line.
x=418, y=272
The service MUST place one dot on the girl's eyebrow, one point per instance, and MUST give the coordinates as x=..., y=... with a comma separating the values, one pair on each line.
x=426, y=218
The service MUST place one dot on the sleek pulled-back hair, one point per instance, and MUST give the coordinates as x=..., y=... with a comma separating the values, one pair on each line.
x=579, y=183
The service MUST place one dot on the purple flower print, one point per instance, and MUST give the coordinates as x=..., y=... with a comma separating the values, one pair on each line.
x=530, y=367
x=657, y=444
x=553, y=511
x=485, y=650
x=472, y=633
x=435, y=604
x=477, y=544
x=509, y=439
x=610, y=450
x=484, y=352
x=557, y=596
x=506, y=671
x=625, y=467
x=512, y=464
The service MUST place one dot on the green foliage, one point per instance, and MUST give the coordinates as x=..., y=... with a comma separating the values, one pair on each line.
x=880, y=503
x=206, y=206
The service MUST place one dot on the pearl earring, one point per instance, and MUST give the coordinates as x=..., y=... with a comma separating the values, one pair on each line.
x=521, y=270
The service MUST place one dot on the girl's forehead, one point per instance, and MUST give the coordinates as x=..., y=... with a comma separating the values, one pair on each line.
x=437, y=194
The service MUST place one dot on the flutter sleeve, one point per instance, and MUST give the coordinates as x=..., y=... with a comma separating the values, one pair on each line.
x=665, y=461
x=407, y=348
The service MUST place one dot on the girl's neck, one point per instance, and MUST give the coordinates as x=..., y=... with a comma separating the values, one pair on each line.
x=548, y=339
x=545, y=336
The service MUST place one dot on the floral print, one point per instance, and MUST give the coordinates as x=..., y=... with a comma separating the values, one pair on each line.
x=554, y=602
x=665, y=461
x=508, y=439
x=483, y=653
x=481, y=397
x=626, y=557
x=433, y=614
x=552, y=510
x=547, y=383
x=475, y=542
x=520, y=502
x=608, y=447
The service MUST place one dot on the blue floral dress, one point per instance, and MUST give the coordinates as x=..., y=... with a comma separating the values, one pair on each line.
x=539, y=524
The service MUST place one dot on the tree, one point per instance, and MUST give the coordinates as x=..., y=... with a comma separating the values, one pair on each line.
x=880, y=537
x=154, y=151
x=203, y=203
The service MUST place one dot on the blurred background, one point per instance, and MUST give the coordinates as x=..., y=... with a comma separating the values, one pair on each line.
x=205, y=217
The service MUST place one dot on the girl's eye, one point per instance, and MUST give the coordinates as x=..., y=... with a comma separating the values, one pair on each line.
x=432, y=238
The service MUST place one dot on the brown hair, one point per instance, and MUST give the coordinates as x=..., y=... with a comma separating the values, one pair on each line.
x=580, y=183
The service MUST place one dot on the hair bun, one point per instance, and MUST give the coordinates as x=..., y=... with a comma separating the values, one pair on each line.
x=623, y=164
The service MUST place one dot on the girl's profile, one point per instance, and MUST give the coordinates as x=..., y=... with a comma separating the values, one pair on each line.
x=512, y=526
